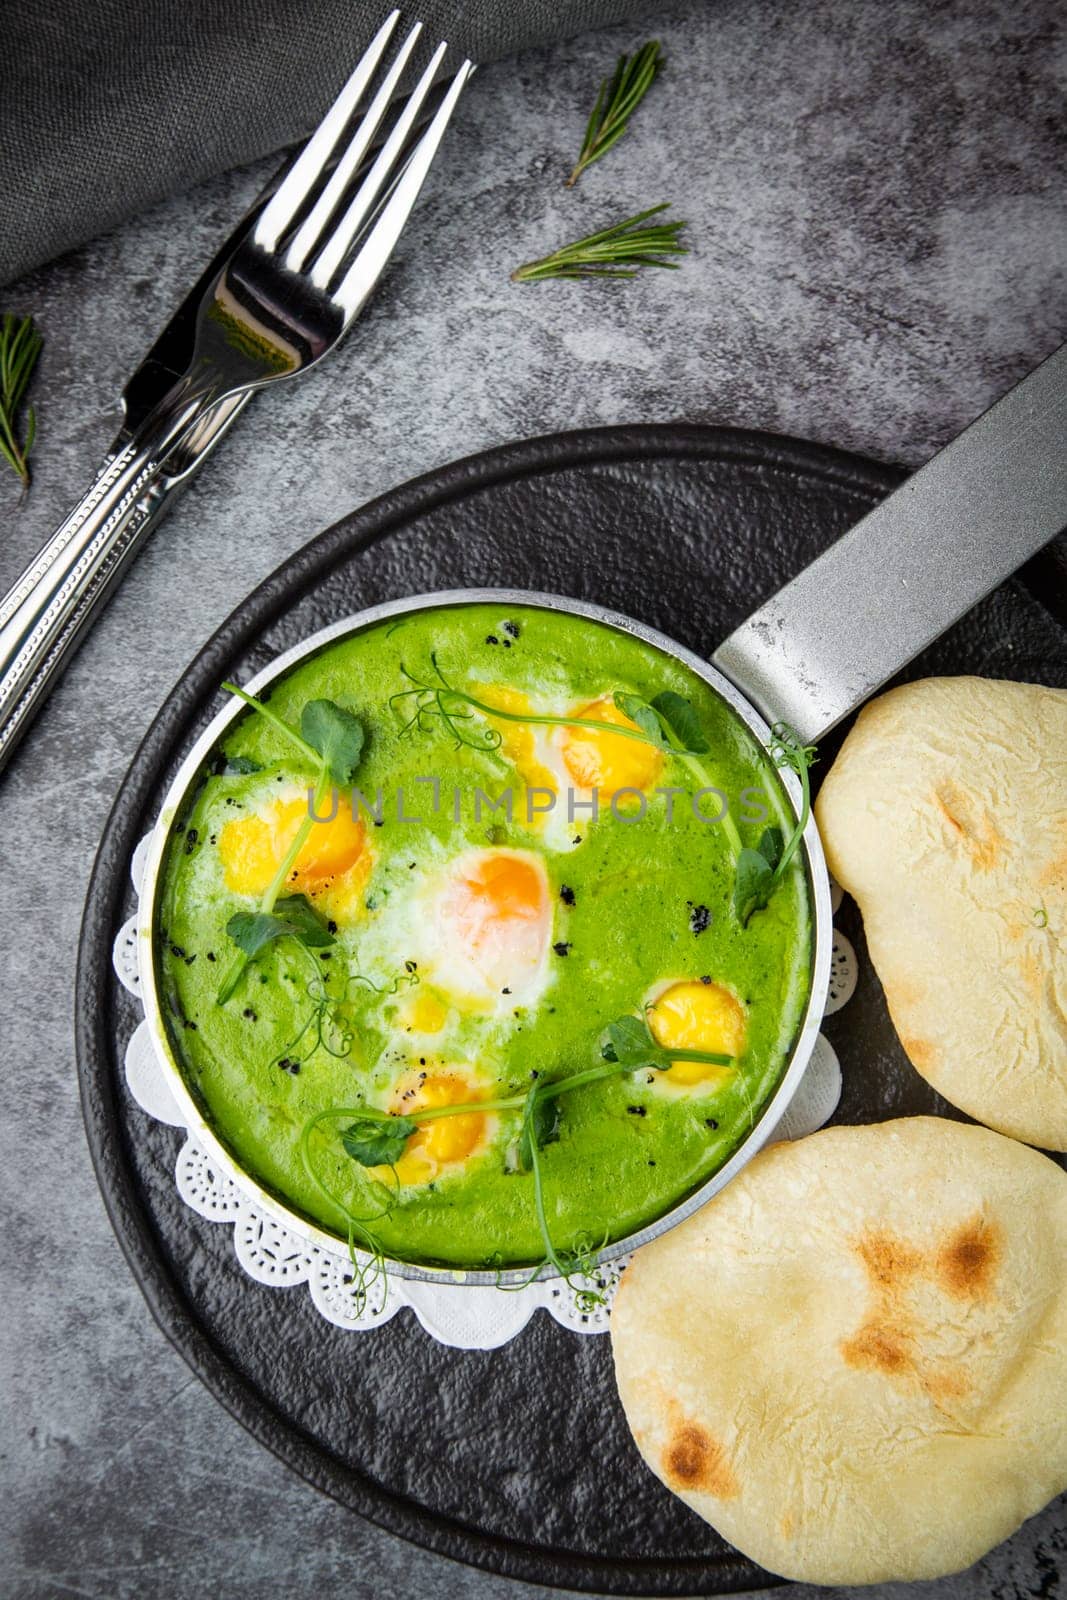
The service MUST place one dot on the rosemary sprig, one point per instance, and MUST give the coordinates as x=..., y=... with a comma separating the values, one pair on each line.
x=20, y=345
x=618, y=99
x=614, y=252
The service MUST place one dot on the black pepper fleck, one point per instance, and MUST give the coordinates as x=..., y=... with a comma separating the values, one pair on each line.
x=491, y=638
x=176, y=950
x=512, y=628
x=331, y=926
x=562, y=948
x=190, y=1025
x=699, y=920
x=709, y=1122
x=250, y=1014
x=637, y=1111
x=211, y=955
x=566, y=894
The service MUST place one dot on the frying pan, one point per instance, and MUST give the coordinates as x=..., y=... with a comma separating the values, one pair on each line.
x=810, y=656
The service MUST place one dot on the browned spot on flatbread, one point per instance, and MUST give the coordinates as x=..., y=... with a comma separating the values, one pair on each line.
x=694, y=1460
x=887, y=1258
x=1055, y=874
x=945, y=1384
x=880, y=1345
x=889, y=1341
x=920, y=1052
x=788, y=1525
x=1033, y=976
x=966, y=1263
x=974, y=833
x=877, y=1346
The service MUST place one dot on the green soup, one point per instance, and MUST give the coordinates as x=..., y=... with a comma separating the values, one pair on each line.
x=480, y=930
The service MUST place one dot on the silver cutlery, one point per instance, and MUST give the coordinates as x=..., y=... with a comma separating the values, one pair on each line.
x=283, y=291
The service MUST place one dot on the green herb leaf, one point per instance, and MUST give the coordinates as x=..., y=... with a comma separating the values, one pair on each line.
x=770, y=846
x=337, y=735
x=760, y=871
x=616, y=102
x=540, y=1126
x=292, y=917
x=303, y=921
x=615, y=252
x=629, y=1043
x=377, y=1141
x=753, y=882
x=641, y=713
x=683, y=721
x=20, y=346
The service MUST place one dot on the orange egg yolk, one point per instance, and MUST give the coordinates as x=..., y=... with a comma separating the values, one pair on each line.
x=444, y=1141
x=608, y=761
x=252, y=848
x=497, y=907
x=699, y=1016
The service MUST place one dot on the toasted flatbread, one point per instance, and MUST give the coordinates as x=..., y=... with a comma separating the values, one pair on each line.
x=853, y=1361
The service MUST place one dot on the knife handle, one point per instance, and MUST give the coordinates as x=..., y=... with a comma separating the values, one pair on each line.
x=44, y=615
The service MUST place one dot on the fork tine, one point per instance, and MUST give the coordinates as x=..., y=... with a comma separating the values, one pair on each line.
x=376, y=249
x=384, y=168
x=292, y=193
x=310, y=229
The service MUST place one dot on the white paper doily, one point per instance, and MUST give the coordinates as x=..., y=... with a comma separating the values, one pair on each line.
x=470, y=1317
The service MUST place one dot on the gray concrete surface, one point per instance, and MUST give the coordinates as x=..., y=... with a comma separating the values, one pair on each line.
x=878, y=220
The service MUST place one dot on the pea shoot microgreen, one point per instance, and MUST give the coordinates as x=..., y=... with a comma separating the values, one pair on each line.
x=293, y=915
x=331, y=742
x=760, y=871
x=374, y=1139
x=668, y=721
x=630, y=1043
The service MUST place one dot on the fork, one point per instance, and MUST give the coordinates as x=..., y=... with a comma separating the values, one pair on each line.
x=280, y=296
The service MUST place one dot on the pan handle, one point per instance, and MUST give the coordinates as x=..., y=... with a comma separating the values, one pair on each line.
x=914, y=565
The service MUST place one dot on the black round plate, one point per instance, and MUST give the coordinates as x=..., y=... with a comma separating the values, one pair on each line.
x=518, y=1459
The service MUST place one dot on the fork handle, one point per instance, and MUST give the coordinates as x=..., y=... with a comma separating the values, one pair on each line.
x=44, y=615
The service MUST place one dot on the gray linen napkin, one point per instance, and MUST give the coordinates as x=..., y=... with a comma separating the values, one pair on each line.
x=107, y=106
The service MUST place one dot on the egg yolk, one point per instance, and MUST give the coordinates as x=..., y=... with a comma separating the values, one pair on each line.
x=445, y=1141
x=519, y=744
x=426, y=1014
x=496, y=908
x=699, y=1016
x=607, y=761
x=251, y=849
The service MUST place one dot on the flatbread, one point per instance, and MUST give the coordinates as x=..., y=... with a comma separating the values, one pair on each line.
x=853, y=1361
x=945, y=816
